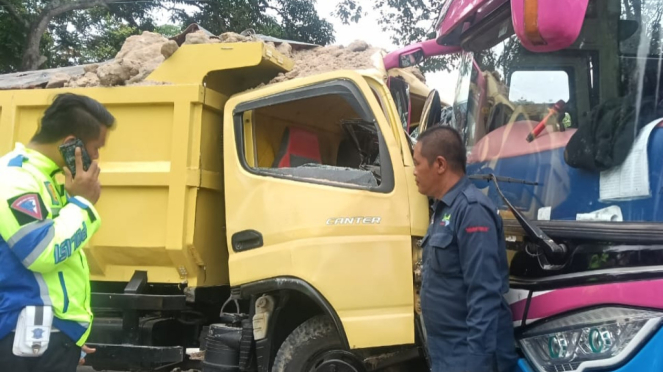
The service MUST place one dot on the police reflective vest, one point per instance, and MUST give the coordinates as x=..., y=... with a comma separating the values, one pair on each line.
x=42, y=233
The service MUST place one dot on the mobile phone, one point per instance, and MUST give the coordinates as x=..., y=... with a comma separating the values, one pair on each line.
x=68, y=151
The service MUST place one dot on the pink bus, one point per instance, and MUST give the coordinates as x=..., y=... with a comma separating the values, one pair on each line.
x=559, y=104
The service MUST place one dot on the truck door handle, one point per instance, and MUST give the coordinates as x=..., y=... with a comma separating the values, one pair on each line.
x=246, y=240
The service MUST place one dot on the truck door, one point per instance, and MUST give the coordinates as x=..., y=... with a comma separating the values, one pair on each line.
x=315, y=189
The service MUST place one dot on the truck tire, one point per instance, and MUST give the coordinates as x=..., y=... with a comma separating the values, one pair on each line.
x=315, y=346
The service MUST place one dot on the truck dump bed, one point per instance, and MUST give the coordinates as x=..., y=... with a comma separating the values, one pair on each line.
x=162, y=203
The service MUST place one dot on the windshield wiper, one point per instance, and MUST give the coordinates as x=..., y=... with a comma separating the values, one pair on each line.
x=489, y=177
x=552, y=252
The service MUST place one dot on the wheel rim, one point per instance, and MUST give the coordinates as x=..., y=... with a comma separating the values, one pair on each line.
x=335, y=361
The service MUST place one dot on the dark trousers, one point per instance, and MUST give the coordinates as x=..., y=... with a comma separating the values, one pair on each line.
x=62, y=355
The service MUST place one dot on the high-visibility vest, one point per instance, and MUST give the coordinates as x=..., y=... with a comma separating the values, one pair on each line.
x=42, y=233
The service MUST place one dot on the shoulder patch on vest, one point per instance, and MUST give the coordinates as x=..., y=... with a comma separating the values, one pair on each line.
x=55, y=198
x=16, y=161
x=27, y=208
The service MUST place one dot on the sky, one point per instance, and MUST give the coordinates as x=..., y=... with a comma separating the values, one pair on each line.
x=369, y=30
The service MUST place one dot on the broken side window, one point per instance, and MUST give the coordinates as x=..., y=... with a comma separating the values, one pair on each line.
x=328, y=138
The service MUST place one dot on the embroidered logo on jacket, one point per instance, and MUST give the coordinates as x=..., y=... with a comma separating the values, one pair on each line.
x=475, y=229
x=446, y=221
x=27, y=208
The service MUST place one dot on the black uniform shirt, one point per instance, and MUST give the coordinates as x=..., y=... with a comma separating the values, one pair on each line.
x=468, y=322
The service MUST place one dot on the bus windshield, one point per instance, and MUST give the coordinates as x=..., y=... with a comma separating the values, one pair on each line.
x=584, y=125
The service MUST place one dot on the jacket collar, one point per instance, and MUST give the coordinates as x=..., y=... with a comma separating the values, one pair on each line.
x=452, y=194
x=38, y=160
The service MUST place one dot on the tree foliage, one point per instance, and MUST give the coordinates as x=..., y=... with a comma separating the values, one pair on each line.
x=407, y=21
x=288, y=19
x=33, y=18
x=53, y=33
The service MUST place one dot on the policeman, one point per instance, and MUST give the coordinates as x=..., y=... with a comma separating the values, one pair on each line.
x=43, y=226
x=467, y=320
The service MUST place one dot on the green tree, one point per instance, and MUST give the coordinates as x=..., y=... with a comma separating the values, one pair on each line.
x=168, y=30
x=54, y=33
x=97, y=34
x=407, y=21
x=33, y=18
x=289, y=19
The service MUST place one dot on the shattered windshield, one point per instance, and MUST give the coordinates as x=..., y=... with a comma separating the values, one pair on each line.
x=582, y=125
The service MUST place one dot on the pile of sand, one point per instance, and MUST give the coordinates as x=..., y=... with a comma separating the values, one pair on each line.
x=139, y=56
x=356, y=56
x=142, y=54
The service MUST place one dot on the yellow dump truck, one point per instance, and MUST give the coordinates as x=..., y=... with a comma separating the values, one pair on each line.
x=275, y=228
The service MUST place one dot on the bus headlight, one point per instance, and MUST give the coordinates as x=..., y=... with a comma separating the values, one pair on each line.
x=599, y=337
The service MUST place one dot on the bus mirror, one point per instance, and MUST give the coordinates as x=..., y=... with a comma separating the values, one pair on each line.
x=411, y=58
x=414, y=54
x=548, y=25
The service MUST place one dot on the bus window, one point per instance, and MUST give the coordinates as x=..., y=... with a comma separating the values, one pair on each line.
x=539, y=87
x=573, y=122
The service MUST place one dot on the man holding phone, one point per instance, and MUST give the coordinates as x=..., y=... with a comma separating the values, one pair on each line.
x=43, y=226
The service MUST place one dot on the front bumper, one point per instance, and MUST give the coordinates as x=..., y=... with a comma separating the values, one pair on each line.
x=647, y=359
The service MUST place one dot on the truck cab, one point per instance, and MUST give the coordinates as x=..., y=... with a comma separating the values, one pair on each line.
x=272, y=228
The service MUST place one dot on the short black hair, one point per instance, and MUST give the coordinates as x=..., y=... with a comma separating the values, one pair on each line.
x=73, y=115
x=444, y=141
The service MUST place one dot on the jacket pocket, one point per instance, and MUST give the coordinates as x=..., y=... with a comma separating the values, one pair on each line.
x=443, y=255
x=441, y=240
x=63, y=284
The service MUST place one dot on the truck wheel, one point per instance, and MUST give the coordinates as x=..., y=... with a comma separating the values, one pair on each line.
x=315, y=346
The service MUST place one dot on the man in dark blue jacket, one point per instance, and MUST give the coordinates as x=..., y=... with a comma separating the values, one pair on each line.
x=468, y=321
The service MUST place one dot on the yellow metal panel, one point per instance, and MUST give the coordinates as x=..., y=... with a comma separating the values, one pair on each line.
x=120, y=228
x=215, y=57
x=210, y=239
x=364, y=271
x=161, y=179
x=6, y=123
x=139, y=173
x=214, y=100
x=178, y=192
x=211, y=144
x=387, y=100
x=363, y=277
x=419, y=211
x=210, y=219
x=140, y=95
x=249, y=139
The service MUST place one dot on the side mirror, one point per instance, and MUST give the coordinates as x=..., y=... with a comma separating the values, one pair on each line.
x=412, y=58
x=548, y=25
x=416, y=53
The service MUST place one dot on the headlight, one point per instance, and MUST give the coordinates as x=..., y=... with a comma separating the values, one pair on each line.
x=596, y=338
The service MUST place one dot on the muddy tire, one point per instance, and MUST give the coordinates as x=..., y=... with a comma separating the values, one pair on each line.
x=314, y=346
